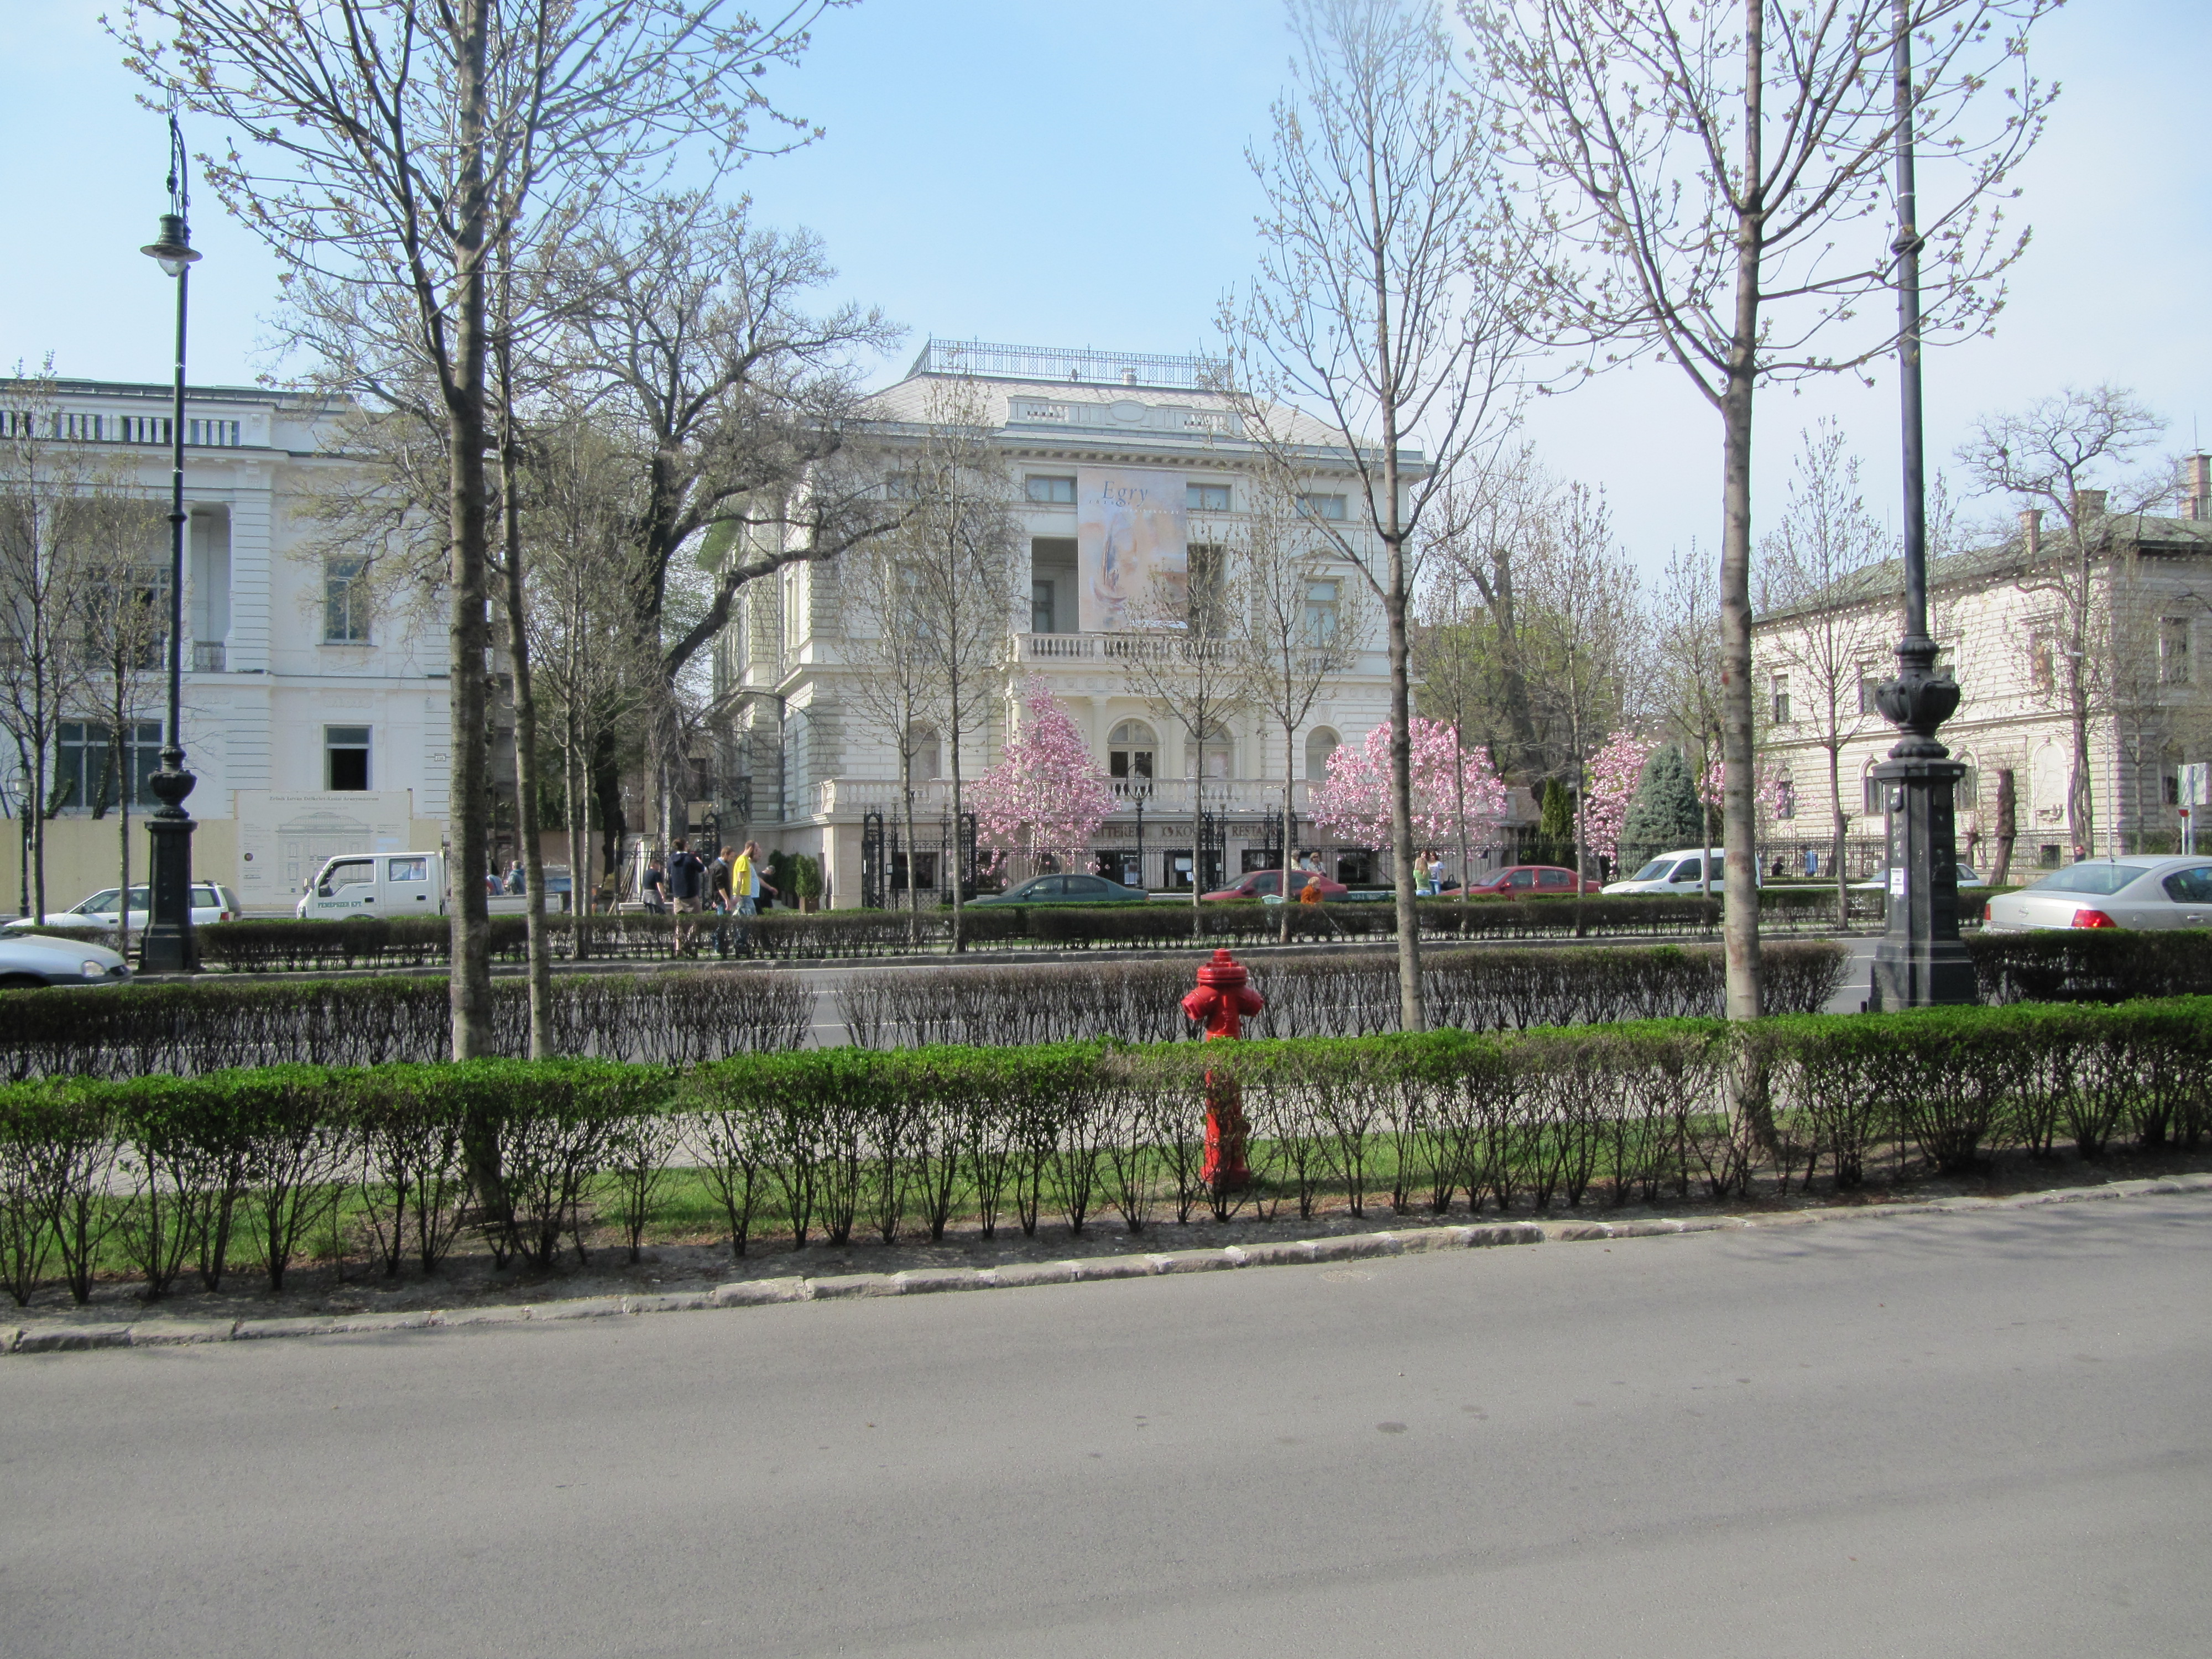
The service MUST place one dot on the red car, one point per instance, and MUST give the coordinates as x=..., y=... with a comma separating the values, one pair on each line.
x=1264, y=883
x=1529, y=881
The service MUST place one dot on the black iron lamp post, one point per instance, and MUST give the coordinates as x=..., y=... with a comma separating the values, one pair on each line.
x=166, y=946
x=1920, y=960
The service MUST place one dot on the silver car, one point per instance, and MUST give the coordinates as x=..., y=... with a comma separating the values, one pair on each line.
x=29, y=960
x=211, y=902
x=2140, y=891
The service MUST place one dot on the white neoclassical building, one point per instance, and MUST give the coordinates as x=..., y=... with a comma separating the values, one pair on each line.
x=313, y=724
x=2002, y=616
x=1080, y=432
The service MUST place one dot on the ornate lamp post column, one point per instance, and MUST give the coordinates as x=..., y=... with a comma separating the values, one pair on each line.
x=1920, y=960
x=167, y=945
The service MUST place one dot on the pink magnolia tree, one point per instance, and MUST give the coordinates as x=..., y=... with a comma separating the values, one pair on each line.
x=1457, y=800
x=1047, y=796
x=1616, y=772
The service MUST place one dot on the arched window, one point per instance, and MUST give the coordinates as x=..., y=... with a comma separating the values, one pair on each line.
x=927, y=752
x=1214, y=756
x=1320, y=744
x=1129, y=753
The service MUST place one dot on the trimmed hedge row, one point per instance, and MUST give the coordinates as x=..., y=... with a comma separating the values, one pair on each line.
x=1349, y=995
x=178, y=1171
x=2092, y=965
x=183, y=1028
x=265, y=944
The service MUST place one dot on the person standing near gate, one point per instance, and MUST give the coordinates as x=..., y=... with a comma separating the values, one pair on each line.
x=687, y=883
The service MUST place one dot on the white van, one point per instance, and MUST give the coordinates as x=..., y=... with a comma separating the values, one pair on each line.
x=386, y=884
x=1681, y=871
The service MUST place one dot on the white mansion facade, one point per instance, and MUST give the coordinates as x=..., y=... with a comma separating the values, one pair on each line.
x=1073, y=429
x=314, y=724
x=2001, y=617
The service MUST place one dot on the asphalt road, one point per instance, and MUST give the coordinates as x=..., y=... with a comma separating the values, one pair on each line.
x=1932, y=1436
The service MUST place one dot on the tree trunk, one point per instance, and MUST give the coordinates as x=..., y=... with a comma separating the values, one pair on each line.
x=464, y=393
x=960, y=936
x=1836, y=822
x=1739, y=827
x=539, y=946
x=1412, y=1012
x=1290, y=813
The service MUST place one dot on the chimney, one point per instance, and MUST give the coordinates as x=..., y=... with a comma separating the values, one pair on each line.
x=2031, y=532
x=2088, y=504
x=2196, y=486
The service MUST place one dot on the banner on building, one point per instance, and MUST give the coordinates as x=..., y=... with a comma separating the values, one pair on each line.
x=1133, y=556
x=284, y=835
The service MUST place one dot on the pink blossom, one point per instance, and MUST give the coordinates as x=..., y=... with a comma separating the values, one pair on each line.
x=1354, y=802
x=1047, y=796
x=1616, y=772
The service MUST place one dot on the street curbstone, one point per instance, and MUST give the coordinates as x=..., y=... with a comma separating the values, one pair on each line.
x=170, y=1333
x=73, y=1339
x=1577, y=1233
x=1510, y=1232
x=1113, y=1266
x=1354, y=1247
x=1294, y=1252
x=926, y=1281
x=584, y=1306
x=1642, y=1229
x=9, y=1336
x=759, y=1292
x=1016, y=1275
x=1193, y=1261
x=837, y=1286
x=506, y=1314
x=675, y=1301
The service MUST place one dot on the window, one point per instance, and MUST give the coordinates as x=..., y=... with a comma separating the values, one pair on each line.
x=1209, y=588
x=2173, y=651
x=144, y=428
x=2174, y=789
x=84, y=772
x=1870, y=689
x=1782, y=699
x=1206, y=498
x=1966, y=793
x=2191, y=886
x=345, y=750
x=345, y=601
x=1129, y=752
x=2047, y=855
x=794, y=609
x=90, y=428
x=215, y=435
x=1871, y=801
x=1322, y=506
x=1320, y=744
x=1320, y=611
x=1785, y=798
x=349, y=872
x=1214, y=754
x=2042, y=661
x=924, y=754
x=1041, y=606
x=1049, y=491
x=408, y=869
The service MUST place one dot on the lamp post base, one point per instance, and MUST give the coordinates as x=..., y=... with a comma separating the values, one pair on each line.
x=167, y=945
x=1921, y=961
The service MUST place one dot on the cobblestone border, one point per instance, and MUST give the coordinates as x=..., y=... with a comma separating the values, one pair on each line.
x=755, y=1292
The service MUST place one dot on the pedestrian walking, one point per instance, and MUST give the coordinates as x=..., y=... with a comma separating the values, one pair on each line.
x=719, y=899
x=687, y=887
x=516, y=884
x=653, y=887
x=746, y=883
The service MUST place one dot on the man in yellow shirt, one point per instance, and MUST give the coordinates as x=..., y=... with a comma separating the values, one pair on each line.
x=746, y=887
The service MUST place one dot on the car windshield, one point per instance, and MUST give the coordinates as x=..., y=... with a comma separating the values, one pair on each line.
x=1655, y=871
x=2092, y=878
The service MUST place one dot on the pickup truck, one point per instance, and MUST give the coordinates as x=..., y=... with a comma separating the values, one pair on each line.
x=387, y=884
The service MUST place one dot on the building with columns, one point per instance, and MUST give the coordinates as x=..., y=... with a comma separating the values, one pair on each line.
x=314, y=724
x=1082, y=434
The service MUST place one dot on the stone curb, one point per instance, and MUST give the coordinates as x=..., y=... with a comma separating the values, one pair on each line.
x=927, y=1281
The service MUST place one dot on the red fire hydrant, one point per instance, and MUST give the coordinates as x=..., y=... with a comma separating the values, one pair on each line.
x=1222, y=1000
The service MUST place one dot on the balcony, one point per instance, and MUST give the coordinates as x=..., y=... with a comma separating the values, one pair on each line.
x=1159, y=797
x=207, y=657
x=1164, y=645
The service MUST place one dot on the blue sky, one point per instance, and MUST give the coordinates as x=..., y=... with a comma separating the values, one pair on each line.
x=1046, y=171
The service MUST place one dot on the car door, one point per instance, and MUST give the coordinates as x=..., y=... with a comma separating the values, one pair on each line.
x=407, y=889
x=1689, y=876
x=1087, y=888
x=1554, y=881
x=1522, y=882
x=349, y=885
x=2188, y=899
x=1045, y=889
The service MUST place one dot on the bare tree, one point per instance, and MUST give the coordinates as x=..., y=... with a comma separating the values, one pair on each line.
x=886, y=639
x=396, y=146
x=1826, y=629
x=1584, y=619
x=55, y=510
x=1306, y=623
x=2061, y=452
x=122, y=627
x=1722, y=165
x=954, y=546
x=1384, y=312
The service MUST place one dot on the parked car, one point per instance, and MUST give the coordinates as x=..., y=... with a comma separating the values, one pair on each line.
x=1265, y=885
x=1680, y=872
x=211, y=903
x=1879, y=881
x=2139, y=891
x=29, y=959
x=1066, y=889
x=388, y=884
x=1529, y=880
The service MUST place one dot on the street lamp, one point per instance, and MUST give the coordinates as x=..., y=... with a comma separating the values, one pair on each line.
x=166, y=946
x=1920, y=959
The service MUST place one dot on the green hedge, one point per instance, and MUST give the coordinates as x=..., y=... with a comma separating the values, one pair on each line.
x=186, y=1027
x=2092, y=964
x=182, y=1175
